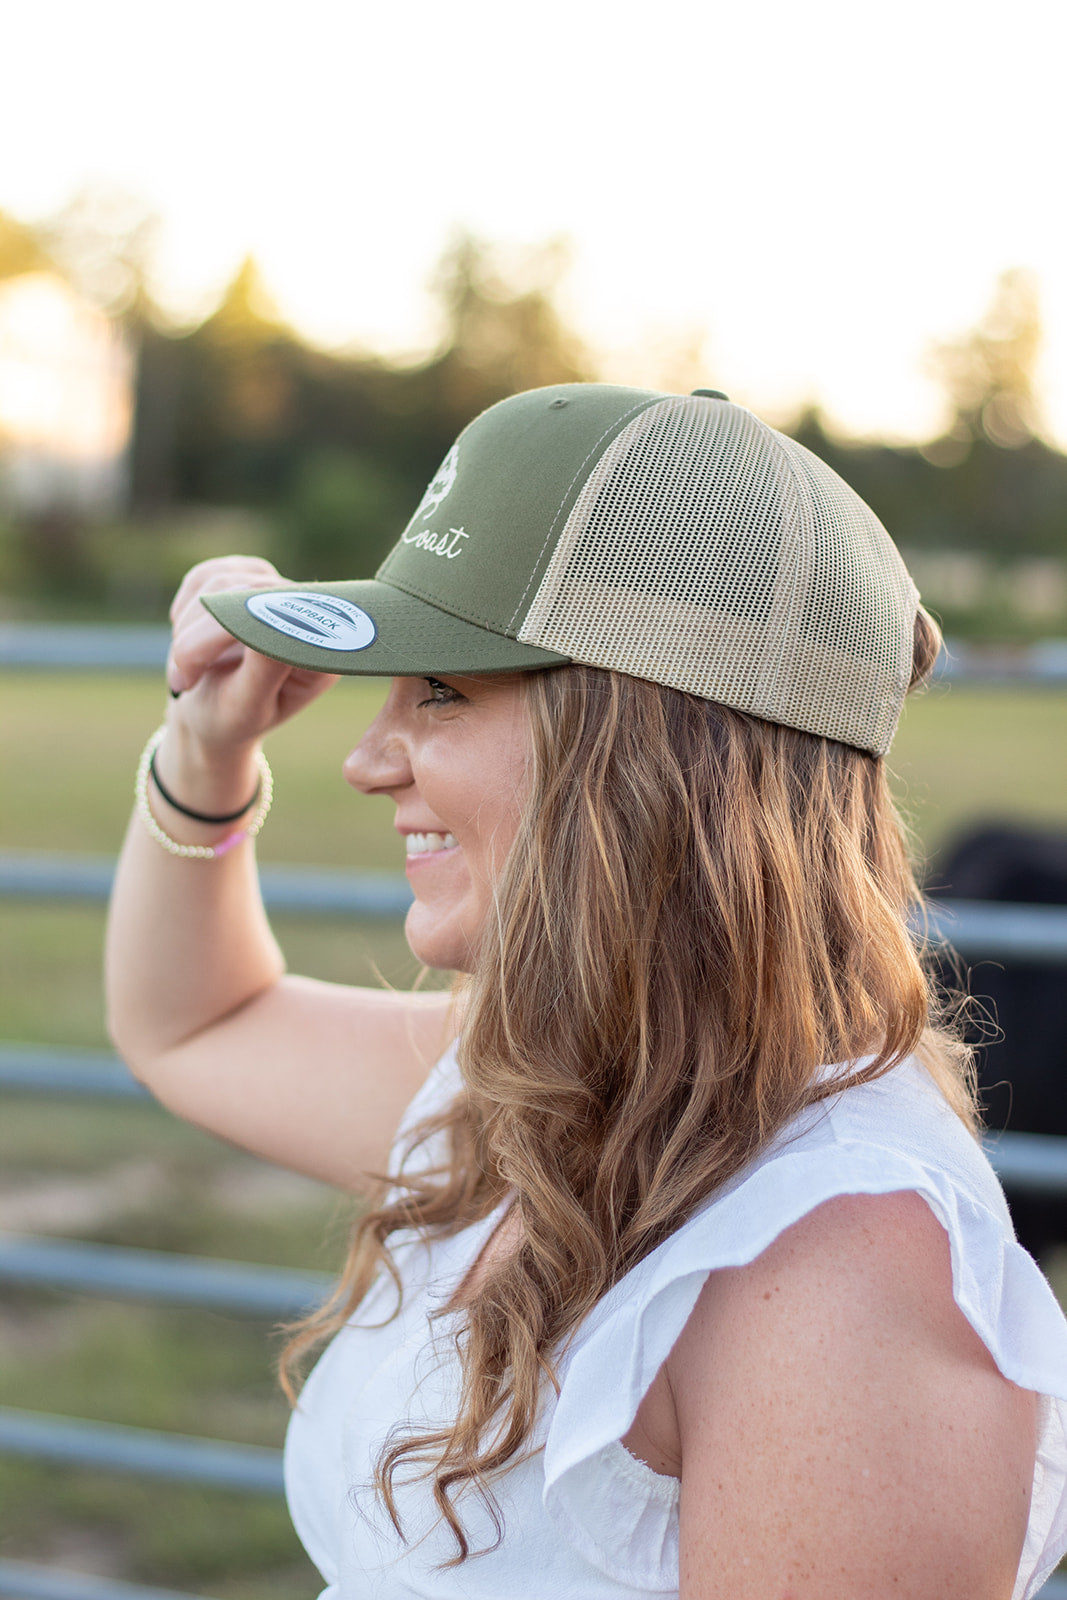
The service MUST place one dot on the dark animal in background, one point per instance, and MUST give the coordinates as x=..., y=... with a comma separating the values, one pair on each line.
x=1022, y=1067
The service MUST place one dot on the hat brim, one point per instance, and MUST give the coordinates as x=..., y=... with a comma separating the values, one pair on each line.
x=410, y=637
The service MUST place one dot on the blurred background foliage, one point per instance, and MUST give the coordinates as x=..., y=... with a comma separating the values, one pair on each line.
x=242, y=435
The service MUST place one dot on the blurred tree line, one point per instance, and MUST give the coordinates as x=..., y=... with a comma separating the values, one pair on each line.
x=329, y=452
x=325, y=454
x=335, y=449
x=988, y=495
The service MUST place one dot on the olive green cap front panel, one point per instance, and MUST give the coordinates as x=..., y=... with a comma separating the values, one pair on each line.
x=485, y=530
x=405, y=637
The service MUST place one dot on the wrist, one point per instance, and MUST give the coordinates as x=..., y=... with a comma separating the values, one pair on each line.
x=225, y=831
x=217, y=780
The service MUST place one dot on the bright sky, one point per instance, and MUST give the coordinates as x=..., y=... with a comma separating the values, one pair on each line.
x=819, y=191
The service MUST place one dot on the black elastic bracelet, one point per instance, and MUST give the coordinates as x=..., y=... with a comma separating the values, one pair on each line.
x=198, y=816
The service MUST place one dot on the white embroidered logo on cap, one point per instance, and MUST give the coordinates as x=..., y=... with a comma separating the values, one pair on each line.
x=438, y=544
x=439, y=485
x=319, y=619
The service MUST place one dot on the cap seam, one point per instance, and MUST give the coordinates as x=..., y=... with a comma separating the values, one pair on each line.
x=619, y=424
x=474, y=621
x=794, y=480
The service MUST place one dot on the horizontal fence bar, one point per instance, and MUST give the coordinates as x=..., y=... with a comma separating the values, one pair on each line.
x=84, y=647
x=126, y=647
x=21, y=1580
x=315, y=891
x=976, y=929
x=161, y=1276
x=1029, y=1163
x=1043, y=664
x=988, y=930
x=251, y=1468
x=43, y=1069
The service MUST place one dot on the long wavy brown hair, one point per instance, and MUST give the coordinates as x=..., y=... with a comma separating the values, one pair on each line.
x=701, y=910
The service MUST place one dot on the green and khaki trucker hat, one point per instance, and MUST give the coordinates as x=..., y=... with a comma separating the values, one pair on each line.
x=671, y=537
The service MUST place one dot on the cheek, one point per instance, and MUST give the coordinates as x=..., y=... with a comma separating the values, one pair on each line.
x=500, y=819
x=506, y=798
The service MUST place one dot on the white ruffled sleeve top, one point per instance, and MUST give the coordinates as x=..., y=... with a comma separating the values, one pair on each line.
x=583, y=1520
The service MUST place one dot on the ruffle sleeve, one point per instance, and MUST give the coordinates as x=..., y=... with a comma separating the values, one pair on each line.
x=622, y=1346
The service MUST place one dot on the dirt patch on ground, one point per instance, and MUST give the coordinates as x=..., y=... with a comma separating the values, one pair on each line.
x=84, y=1203
x=60, y=1205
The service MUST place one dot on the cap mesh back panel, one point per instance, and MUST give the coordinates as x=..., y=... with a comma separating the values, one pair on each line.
x=710, y=553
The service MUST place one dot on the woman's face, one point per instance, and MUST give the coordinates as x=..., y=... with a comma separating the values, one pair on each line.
x=453, y=755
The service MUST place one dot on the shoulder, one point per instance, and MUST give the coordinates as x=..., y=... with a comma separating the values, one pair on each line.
x=855, y=1269
x=885, y=1246
x=835, y=1377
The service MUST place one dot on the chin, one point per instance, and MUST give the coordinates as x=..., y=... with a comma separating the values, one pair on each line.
x=441, y=948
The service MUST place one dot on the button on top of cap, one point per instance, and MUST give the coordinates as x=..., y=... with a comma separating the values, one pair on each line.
x=711, y=394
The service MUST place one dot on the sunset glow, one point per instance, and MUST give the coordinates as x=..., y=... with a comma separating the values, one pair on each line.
x=808, y=197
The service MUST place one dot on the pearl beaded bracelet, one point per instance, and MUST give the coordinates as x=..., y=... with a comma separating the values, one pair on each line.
x=199, y=852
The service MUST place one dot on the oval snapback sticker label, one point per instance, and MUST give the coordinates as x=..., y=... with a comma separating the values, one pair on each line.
x=319, y=619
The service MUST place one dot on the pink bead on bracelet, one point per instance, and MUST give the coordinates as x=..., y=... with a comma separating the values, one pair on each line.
x=199, y=852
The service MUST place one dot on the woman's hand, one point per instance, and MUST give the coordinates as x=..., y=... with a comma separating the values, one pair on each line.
x=229, y=696
x=314, y=1076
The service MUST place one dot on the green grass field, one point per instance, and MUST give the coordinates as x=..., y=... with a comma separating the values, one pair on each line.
x=129, y=1174
x=71, y=745
x=961, y=756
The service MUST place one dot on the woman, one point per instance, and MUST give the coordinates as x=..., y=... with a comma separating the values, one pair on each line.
x=690, y=1277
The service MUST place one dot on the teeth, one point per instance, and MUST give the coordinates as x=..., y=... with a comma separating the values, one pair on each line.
x=420, y=844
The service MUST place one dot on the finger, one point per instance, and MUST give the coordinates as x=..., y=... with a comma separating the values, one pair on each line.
x=199, y=642
x=192, y=581
x=225, y=572
x=301, y=687
x=255, y=567
x=237, y=699
x=198, y=646
x=253, y=695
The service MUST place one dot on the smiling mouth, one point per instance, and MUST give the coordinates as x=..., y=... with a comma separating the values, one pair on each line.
x=421, y=844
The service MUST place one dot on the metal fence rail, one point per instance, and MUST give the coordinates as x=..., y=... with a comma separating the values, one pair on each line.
x=160, y=1277
x=26, y=874
x=989, y=930
x=1030, y=1164
x=22, y=1581
x=133, y=647
x=41, y=1069
x=975, y=929
x=252, y=1468
x=83, y=647
x=1026, y=1163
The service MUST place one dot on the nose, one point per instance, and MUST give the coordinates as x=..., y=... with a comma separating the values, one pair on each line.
x=380, y=763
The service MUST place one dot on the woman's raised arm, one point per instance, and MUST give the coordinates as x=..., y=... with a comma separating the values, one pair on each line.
x=314, y=1076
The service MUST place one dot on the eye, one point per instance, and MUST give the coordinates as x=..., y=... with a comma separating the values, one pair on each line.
x=440, y=694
